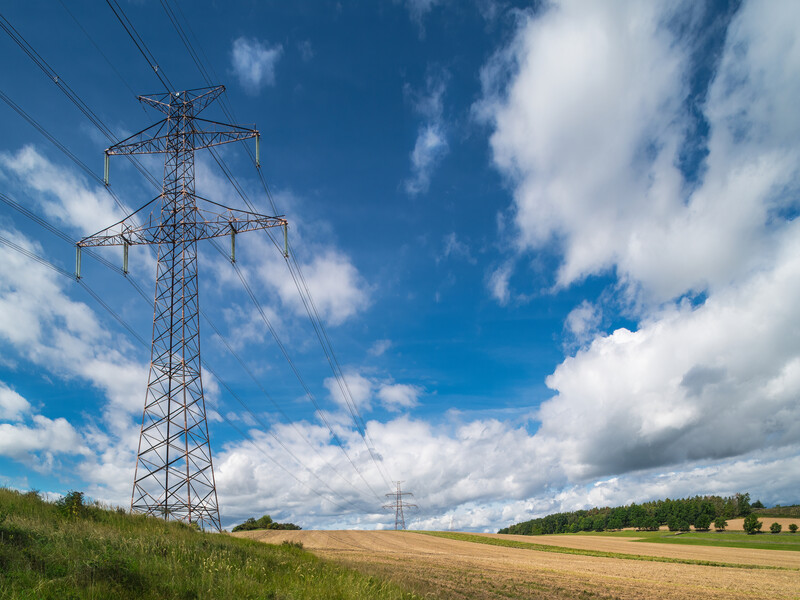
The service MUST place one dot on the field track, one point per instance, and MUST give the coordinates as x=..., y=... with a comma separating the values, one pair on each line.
x=444, y=568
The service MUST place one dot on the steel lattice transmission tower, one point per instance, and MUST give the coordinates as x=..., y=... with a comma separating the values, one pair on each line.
x=174, y=476
x=398, y=505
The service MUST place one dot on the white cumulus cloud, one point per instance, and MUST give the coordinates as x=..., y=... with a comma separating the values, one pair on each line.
x=591, y=142
x=12, y=406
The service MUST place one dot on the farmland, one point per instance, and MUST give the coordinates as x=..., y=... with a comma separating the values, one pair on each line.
x=616, y=566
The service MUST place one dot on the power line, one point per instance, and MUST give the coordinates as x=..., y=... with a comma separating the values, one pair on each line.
x=320, y=413
x=96, y=256
x=140, y=43
x=46, y=263
x=294, y=267
x=275, y=404
x=86, y=33
x=71, y=95
x=35, y=257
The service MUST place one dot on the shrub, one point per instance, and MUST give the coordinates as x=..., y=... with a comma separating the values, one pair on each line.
x=752, y=524
x=775, y=528
x=793, y=527
x=720, y=523
x=71, y=505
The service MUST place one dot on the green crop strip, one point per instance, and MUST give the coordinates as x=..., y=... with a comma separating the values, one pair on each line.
x=726, y=539
x=759, y=542
x=466, y=537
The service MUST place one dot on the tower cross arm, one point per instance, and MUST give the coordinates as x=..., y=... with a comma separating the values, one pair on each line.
x=234, y=221
x=198, y=98
x=200, y=224
x=212, y=134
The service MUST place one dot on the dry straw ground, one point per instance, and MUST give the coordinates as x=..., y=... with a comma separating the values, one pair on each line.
x=444, y=568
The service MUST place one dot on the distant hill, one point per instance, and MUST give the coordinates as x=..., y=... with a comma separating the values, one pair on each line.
x=679, y=515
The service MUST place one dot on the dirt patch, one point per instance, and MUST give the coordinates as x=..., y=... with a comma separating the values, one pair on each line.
x=443, y=568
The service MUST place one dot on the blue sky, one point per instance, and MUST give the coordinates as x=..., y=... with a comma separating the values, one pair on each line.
x=553, y=246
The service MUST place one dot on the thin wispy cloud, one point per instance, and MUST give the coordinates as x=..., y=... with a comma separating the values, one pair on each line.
x=253, y=63
x=431, y=145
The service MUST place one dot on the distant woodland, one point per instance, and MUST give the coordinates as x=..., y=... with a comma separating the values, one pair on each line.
x=700, y=512
x=264, y=522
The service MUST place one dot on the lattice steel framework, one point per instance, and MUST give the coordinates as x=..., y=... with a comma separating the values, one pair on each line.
x=398, y=505
x=174, y=476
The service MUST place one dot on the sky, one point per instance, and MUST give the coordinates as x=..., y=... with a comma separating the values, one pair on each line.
x=553, y=246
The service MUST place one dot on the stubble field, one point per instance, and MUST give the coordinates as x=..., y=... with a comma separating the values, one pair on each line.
x=436, y=567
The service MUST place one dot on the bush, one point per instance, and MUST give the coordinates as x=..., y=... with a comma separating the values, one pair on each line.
x=793, y=528
x=720, y=523
x=775, y=528
x=71, y=505
x=752, y=524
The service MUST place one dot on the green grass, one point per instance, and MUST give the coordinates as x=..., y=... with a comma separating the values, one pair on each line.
x=725, y=539
x=479, y=539
x=761, y=541
x=49, y=553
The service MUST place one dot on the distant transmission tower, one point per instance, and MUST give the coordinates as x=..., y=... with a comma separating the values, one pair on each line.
x=174, y=476
x=398, y=506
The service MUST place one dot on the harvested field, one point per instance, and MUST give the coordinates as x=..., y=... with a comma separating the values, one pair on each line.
x=444, y=568
x=738, y=524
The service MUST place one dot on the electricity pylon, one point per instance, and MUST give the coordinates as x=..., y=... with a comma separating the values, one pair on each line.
x=174, y=476
x=398, y=506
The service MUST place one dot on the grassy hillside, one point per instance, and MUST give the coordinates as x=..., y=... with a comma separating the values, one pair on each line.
x=74, y=551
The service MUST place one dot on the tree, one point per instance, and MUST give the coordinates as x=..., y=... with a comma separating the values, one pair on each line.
x=264, y=522
x=720, y=523
x=757, y=504
x=793, y=527
x=702, y=522
x=752, y=524
x=729, y=511
x=743, y=504
x=775, y=527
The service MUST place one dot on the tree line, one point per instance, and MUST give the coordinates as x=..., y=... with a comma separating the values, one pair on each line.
x=678, y=515
x=264, y=522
